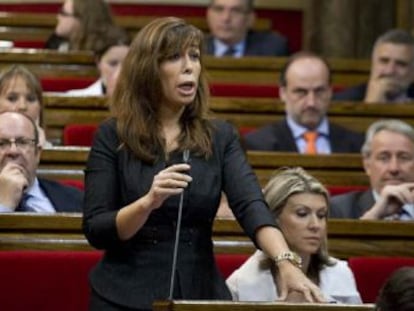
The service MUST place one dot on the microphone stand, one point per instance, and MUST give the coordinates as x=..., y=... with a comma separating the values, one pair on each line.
x=186, y=157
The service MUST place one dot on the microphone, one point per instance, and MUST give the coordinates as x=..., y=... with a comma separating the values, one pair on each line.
x=186, y=157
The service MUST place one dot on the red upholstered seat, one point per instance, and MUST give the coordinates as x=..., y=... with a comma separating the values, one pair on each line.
x=58, y=280
x=227, y=263
x=28, y=44
x=244, y=90
x=336, y=190
x=371, y=272
x=79, y=134
x=45, y=280
x=63, y=84
x=74, y=183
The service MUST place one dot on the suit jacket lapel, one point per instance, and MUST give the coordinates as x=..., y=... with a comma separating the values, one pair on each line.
x=286, y=139
x=364, y=203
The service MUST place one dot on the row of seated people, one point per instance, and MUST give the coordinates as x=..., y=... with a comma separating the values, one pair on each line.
x=387, y=82
x=295, y=173
x=35, y=112
x=16, y=125
x=90, y=19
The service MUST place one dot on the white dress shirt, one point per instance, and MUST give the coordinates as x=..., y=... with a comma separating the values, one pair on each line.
x=38, y=201
x=323, y=144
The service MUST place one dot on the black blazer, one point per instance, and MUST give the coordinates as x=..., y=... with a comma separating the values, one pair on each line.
x=357, y=93
x=134, y=273
x=278, y=137
x=258, y=44
x=64, y=198
x=351, y=205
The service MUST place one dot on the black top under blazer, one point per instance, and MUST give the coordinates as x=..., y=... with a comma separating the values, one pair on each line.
x=136, y=272
x=278, y=137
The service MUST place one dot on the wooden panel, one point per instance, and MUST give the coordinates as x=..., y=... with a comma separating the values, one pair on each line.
x=265, y=70
x=247, y=70
x=346, y=238
x=335, y=169
x=214, y=305
x=49, y=63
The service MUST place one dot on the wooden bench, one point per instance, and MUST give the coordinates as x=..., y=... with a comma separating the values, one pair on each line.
x=185, y=305
x=242, y=112
x=333, y=170
x=346, y=238
x=246, y=70
x=50, y=63
x=256, y=112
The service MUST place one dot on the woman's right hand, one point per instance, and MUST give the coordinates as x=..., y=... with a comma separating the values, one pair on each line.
x=170, y=181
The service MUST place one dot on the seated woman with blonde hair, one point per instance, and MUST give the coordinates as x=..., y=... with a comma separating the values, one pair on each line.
x=299, y=204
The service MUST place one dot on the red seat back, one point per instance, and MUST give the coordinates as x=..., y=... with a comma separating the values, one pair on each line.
x=371, y=273
x=79, y=134
x=244, y=90
x=45, y=280
x=227, y=263
x=74, y=183
x=336, y=190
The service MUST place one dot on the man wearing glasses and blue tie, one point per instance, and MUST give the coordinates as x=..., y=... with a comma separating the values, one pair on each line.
x=20, y=189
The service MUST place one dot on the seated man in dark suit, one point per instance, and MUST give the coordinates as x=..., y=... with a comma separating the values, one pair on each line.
x=388, y=159
x=305, y=88
x=20, y=189
x=229, y=22
x=392, y=71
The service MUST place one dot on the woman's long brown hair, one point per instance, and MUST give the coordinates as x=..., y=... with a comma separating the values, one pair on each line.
x=138, y=95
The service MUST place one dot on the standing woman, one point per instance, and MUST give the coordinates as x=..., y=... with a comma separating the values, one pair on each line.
x=135, y=176
x=80, y=25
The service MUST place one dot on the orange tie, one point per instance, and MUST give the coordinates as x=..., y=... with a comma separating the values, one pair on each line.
x=310, y=138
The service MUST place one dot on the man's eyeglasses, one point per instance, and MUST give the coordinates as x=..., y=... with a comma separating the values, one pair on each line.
x=62, y=12
x=23, y=144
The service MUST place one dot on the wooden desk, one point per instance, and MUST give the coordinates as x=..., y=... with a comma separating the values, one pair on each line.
x=265, y=70
x=63, y=163
x=246, y=70
x=256, y=112
x=217, y=305
x=50, y=63
x=331, y=170
x=346, y=238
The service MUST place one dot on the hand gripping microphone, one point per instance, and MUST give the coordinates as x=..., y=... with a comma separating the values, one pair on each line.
x=186, y=157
